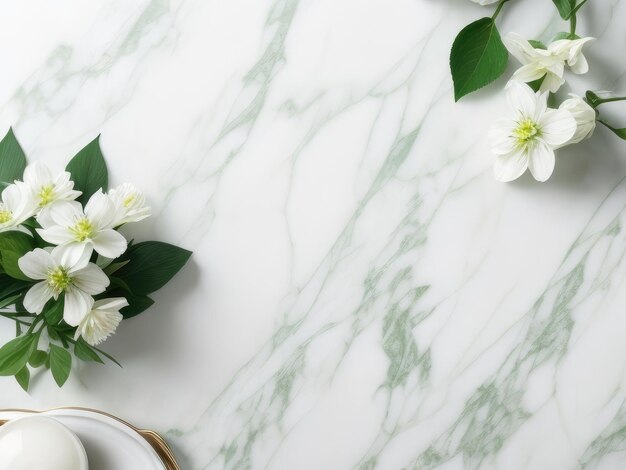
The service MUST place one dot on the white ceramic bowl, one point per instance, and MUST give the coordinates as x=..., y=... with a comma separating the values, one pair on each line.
x=40, y=442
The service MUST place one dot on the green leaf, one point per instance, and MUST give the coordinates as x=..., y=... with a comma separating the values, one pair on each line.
x=89, y=171
x=564, y=35
x=478, y=57
x=10, y=286
x=14, y=245
x=12, y=158
x=23, y=378
x=53, y=311
x=84, y=352
x=536, y=84
x=15, y=354
x=537, y=44
x=60, y=364
x=151, y=265
x=565, y=7
x=136, y=303
x=619, y=132
x=4, y=303
x=38, y=358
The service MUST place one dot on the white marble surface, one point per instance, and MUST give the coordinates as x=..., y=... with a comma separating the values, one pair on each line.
x=362, y=294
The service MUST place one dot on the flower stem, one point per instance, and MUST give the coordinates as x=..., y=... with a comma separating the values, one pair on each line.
x=499, y=7
x=608, y=100
x=572, y=25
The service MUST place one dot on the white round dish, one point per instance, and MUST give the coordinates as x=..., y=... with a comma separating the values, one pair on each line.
x=109, y=442
x=40, y=442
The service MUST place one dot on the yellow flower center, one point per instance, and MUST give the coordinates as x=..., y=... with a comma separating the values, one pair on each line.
x=59, y=279
x=46, y=195
x=525, y=132
x=129, y=200
x=83, y=230
x=5, y=216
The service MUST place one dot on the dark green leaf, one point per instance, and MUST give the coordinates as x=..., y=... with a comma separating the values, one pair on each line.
x=151, y=265
x=593, y=99
x=23, y=378
x=478, y=57
x=536, y=84
x=10, y=286
x=84, y=352
x=53, y=311
x=38, y=358
x=15, y=354
x=621, y=133
x=136, y=303
x=60, y=364
x=89, y=171
x=565, y=7
x=14, y=245
x=12, y=159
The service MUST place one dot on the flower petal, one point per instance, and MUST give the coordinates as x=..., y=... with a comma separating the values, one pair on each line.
x=36, y=175
x=109, y=243
x=91, y=279
x=521, y=98
x=37, y=297
x=541, y=161
x=73, y=256
x=557, y=126
x=500, y=137
x=36, y=264
x=100, y=210
x=510, y=167
x=519, y=48
x=56, y=234
x=77, y=305
x=64, y=213
x=529, y=72
x=113, y=304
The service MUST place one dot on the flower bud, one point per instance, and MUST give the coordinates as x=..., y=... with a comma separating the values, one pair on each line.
x=584, y=115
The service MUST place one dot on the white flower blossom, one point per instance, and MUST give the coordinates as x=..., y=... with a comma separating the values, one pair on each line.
x=527, y=138
x=61, y=273
x=130, y=204
x=67, y=224
x=46, y=189
x=548, y=63
x=102, y=321
x=584, y=115
x=16, y=206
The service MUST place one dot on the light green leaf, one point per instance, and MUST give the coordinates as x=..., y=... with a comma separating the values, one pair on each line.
x=60, y=364
x=478, y=57
x=15, y=354
x=12, y=158
x=14, y=245
x=537, y=44
x=23, y=378
x=151, y=265
x=89, y=170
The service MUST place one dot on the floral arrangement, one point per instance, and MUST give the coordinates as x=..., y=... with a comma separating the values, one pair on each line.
x=537, y=124
x=68, y=277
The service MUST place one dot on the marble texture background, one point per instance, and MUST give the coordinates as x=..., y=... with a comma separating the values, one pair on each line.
x=363, y=294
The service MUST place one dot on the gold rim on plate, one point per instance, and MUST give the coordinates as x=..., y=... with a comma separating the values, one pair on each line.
x=155, y=440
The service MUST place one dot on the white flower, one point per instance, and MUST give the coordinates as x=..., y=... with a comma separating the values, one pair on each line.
x=15, y=207
x=47, y=190
x=527, y=138
x=548, y=63
x=485, y=2
x=130, y=204
x=571, y=50
x=67, y=224
x=102, y=321
x=584, y=115
x=74, y=277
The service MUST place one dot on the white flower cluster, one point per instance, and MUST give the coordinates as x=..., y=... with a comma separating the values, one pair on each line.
x=528, y=137
x=73, y=233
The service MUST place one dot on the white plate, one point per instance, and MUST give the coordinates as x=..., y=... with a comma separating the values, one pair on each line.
x=111, y=444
